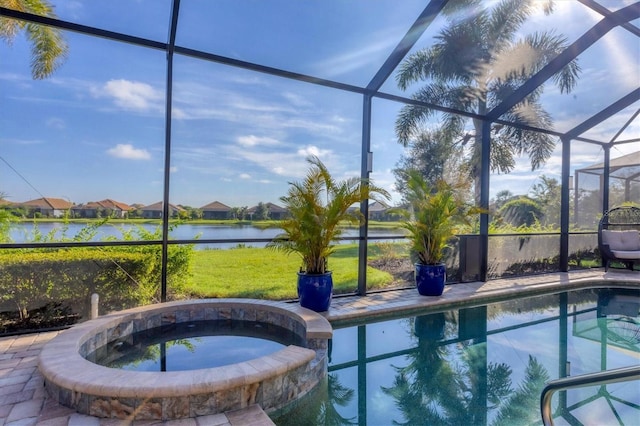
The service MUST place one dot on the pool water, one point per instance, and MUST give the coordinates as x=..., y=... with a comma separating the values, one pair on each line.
x=194, y=345
x=484, y=365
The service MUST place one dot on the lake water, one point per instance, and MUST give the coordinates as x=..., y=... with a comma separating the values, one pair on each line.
x=24, y=232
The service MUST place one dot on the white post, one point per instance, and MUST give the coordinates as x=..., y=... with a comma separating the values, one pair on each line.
x=94, y=305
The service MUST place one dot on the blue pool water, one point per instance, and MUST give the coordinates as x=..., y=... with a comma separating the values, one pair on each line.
x=483, y=365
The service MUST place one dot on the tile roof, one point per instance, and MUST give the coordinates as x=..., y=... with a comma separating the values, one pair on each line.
x=104, y=204
x=114, y=205
x=158, y=207
x=216, y=206
x=377, y=207
x=273, y=208
x=48, y=203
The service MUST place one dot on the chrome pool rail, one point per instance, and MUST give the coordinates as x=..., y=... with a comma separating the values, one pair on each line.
x=591, y=379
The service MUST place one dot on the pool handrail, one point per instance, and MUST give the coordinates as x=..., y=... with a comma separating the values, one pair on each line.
x=590, y=379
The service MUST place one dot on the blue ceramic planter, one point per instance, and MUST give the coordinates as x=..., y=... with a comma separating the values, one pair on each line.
x=430, y=279
x=315, y=291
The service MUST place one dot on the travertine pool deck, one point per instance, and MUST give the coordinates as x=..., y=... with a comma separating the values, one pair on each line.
x=23, y=401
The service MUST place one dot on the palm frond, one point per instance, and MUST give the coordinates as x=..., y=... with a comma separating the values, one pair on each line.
x=415, y=68
x=317, y=205
x=9, y=28
x=506, y=19
x=476, y=62
x=48, y=47
x=549, y=45
x=48, y=50
x=408, y=122
x=436, y=212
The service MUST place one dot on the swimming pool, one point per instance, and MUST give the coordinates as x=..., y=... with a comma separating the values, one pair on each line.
x=483, y=365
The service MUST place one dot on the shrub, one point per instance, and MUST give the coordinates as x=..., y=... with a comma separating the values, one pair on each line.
x=123, y=276
x=521, y=211
x=30, y=279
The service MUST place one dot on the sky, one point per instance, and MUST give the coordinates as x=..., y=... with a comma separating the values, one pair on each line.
x=96, y=128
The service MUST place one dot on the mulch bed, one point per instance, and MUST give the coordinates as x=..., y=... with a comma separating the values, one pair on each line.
x=400, y=268
x=53, y=316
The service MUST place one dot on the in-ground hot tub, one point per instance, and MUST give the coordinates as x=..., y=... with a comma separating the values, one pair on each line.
x=272, y=381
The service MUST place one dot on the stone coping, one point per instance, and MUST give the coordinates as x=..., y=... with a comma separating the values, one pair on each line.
x=61, y=360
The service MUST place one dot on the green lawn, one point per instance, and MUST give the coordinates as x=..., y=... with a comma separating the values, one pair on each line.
x=269, y=274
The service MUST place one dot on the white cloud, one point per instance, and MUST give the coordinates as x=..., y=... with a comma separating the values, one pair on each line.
x=310, y=125
x=178, y=113
x=17, y=80
x=284, y=163
x=12, y=77
x=127, y=151
x=369, y=51
x=56, y=123
x=132, y=95
x=21, y=141
x=296, y=99
x=172, y=169
x=245, y=176
x=313, y=150
x=252, y=140
x=246, y=80
x=255, y=105
x=192, y=100
x=280, y=163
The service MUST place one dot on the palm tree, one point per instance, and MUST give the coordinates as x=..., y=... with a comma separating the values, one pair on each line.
x=474, y=64
x=435, y=156
x=317, y=206
x=48, y=47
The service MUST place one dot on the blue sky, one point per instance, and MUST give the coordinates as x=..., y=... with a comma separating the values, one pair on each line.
x=95, y=129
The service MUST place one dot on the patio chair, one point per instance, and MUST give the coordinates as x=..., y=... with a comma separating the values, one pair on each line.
x=619, y=236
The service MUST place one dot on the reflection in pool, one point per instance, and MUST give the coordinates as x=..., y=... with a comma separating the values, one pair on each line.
x=483, y=365
x=194, y=345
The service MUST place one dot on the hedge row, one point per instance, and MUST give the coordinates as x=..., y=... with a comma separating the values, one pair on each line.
x=123, y=277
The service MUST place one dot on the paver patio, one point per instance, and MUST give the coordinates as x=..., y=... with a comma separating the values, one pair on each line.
x=23, y=400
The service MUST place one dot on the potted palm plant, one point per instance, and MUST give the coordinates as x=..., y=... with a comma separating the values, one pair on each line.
x=317, y=206
x=435, y=214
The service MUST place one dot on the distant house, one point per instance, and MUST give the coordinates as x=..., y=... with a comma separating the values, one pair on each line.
x=104, y=208
x=215, y=210
x=136, y=210
x=377, y=211
x=154, y=211
x=47, y=207
x=275, y=212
